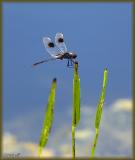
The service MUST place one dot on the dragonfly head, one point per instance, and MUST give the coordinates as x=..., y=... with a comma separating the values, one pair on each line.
x=74, y=55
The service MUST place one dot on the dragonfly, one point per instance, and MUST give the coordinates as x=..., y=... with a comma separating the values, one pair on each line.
x=57, y=50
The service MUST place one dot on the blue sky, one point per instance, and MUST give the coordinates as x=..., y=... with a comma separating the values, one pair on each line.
x=100, y=34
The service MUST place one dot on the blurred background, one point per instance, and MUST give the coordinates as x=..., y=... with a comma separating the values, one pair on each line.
x=101, y=35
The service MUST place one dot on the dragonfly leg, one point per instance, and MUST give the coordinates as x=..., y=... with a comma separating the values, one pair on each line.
x=68, y=63
x=71, y=62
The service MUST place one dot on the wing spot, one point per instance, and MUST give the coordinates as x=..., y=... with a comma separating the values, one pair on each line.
x=60, y=40
x=51, y=44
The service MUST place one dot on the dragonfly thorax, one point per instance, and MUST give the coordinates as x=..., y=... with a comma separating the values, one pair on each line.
x=72, y=55
x=67, y=55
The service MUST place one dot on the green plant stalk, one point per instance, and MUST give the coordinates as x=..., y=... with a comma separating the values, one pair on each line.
x=99, y=112
x=76, y=106
x=94, y=143
x=48, y=118
x=73, y=142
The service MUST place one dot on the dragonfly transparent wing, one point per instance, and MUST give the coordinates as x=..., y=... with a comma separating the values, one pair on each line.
x=51, y=48
x=59, y=41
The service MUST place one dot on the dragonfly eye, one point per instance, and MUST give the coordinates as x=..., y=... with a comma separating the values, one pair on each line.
x=60, y=40
x=51, y=44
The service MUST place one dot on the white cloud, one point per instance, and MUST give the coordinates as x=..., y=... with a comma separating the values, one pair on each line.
x=13, y=147
x=83, y=134
x=122, y=104
x=115, y=131
x=115, y=136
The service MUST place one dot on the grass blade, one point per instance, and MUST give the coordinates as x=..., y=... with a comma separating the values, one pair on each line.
x=76, y=96
x=76, y=105
x=99, y=112
x=48, y=118
x=73, y=141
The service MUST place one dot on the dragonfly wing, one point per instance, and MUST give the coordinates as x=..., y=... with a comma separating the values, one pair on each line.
x=59, y=41
x=51, y=48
